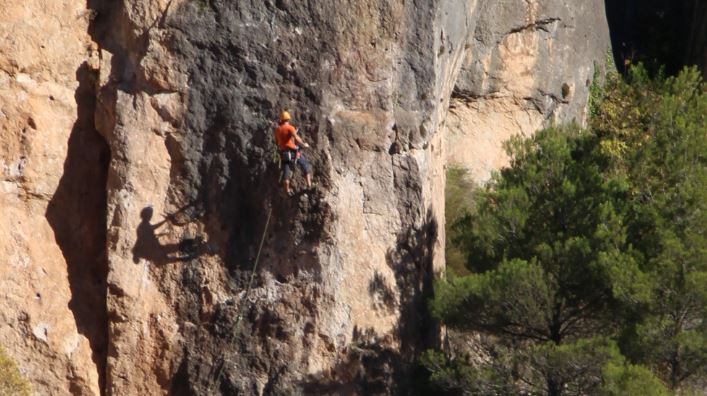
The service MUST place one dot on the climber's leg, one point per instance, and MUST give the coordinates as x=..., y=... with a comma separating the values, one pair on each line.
x=306, y=168
x=286, y=176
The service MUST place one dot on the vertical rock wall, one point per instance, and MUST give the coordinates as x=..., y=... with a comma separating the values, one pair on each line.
x=145, y=229
x=530, y=66
x=52, y=198
x=189, y=92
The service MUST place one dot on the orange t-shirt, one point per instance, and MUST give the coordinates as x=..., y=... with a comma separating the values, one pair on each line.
x=285, y=136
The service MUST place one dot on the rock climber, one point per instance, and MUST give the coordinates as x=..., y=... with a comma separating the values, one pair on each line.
x=287, y=141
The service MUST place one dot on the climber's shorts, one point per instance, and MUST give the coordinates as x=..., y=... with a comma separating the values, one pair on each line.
x=289, y=159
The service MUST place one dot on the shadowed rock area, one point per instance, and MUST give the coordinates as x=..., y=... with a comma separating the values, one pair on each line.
x=77, y=213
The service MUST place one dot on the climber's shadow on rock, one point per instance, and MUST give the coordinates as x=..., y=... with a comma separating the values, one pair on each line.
x=148, y=245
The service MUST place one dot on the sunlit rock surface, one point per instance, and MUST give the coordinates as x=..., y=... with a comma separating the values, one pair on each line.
x=139, y=176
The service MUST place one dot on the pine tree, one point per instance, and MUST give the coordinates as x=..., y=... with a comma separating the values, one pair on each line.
x=665, y=140
x=587, y=254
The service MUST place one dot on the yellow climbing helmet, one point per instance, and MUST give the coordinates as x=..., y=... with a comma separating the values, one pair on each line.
x=284, y=116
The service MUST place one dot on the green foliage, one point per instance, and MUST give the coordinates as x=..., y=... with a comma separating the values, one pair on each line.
x=11, y=382
x=447, y=374
x=512, y=299
x=668, y=213
x=203, y=5
x=596, y=87
x=592, y=239
x=458, y=201
x=595, y=92
x=459, y=376
x=553, y=216
x=623, y=379
x=586, y=366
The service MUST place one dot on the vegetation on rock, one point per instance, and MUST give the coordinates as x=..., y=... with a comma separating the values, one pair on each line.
x=457, y=203
x=11, y=382
x=587, y=255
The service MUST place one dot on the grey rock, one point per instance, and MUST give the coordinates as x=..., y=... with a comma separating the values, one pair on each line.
x=198, y=84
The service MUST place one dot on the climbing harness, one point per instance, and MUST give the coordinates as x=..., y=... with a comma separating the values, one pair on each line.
x=290, y=155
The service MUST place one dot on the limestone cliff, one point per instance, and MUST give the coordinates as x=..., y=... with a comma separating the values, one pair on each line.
x=139, y=175
x=530, y=66
x=52, y=198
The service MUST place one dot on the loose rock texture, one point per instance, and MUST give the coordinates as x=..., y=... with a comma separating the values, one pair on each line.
x=184, y=93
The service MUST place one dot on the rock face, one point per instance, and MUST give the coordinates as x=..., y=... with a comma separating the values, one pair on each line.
x=52, y=199
x=530, y=66
x=147, y=237
x=187, y=104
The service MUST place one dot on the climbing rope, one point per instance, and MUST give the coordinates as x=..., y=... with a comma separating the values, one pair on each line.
x=244, y=301
x=255, y=266
x=239, y=316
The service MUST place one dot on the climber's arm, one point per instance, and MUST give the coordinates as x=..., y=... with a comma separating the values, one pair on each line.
x=299, y=139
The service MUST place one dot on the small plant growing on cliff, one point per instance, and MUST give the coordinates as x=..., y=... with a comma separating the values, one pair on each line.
x=600, y=77
x=11, y=382
x=203, y=5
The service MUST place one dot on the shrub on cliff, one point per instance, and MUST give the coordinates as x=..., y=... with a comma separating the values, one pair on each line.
x=11, y=382
x=587, y=255
x=457, y=201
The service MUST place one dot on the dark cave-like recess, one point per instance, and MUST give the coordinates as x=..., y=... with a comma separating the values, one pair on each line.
x=658, y=33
